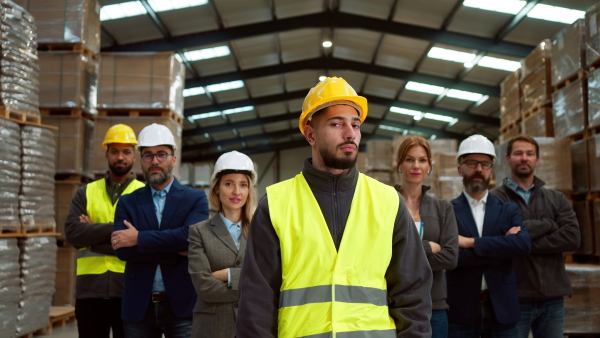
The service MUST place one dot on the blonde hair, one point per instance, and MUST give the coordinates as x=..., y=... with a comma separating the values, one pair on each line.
x=409, y=142
x=247, y=210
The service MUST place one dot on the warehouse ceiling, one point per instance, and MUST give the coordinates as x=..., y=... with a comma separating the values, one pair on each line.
x=259, y=58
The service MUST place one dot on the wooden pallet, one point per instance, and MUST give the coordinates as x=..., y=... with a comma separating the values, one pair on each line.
x=582, y=75
x=533, y=110
x=505, y=129
x=43, y=229
x=66, y=47
x=160, y=112
x=65, y=111
x=20, y=117
x=10, y=231
x=59, y=317
x=582, y=135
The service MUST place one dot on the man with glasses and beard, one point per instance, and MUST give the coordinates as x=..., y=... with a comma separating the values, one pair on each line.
x=482, y=290
x=88, y=227
x=332, y=252
x=151, y=234
x=554, y=229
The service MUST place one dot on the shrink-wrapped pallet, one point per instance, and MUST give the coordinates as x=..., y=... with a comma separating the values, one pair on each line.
x=593, y=98
x=382, y=176
x=379, y=155
x=141, y=81
x=592, y=38
x=64, y=191
x=596, y=224
x=10, y=175
x=73, y=141
x=68, y=80
x=102, y=124
x=569, y=109
x=568, y=52
x=593, y=156
x=447, y=188
x=444, y=166
x=539, y=123
x=19, y=68
x=38, y=271
x=584, y=218
x=361, y=161
x=536, y=90
x=66, y=276
x=36, y=198
x=66, y=21
x=540, y=57
x=510, y=98
x=10, y=286
x=580, y=166
x=582, y=310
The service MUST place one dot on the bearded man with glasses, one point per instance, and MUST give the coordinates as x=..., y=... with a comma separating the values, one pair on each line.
x=482, y=290
x=151, y=234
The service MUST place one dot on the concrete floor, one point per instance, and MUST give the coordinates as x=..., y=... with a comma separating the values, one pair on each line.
x=68, y=331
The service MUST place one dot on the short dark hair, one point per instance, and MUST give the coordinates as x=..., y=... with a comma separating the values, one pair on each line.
x=524, y=138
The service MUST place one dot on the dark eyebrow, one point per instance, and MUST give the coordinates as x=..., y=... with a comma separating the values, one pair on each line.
x=341, y=118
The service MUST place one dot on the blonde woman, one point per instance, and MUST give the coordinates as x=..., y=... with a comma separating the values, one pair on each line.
x=435, y=222
x=217, y=246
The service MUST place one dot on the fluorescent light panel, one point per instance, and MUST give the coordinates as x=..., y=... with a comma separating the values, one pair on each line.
x=219, y=113
x=539, y=11
x=468, y=58
x=418, y=115
x=424, y=88
x=122, y=10
x=460, y=94
x=219, y=87
x=168, y=5
x=207, y=53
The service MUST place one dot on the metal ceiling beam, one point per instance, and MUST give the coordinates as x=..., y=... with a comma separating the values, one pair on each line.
x=237, y=125
x=328, y=19
x=248, y=151
x=504, y=31
x=341, y=64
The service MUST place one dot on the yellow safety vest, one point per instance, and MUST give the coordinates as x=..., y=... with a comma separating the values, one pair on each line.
x=324, y=292
x=101, y=210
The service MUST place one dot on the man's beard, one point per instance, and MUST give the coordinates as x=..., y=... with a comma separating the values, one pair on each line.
x=157, y=178
x=523, y=174
x=347, y=161
x=120, y=171
x=476, y=187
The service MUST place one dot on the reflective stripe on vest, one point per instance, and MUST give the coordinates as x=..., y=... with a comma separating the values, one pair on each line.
x=100, y=209
x=325, y=293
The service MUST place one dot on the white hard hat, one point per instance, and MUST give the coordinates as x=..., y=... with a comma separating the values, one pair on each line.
x=234, y=161
x=156, y=135
x=476, y=144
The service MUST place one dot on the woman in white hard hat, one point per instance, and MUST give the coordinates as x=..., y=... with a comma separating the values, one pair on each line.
x=217, y=246
x=434, y=219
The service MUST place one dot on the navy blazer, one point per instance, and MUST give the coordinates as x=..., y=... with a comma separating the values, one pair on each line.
x=492, y=257
x=184, y=206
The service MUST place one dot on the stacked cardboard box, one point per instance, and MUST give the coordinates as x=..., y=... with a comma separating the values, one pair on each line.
x=569, y=107
x=74, y=143
x=593, y=98
x=10, y=175
x=581, y=177
x=510, y=99
x=592, y=38
x=539, y=123
x=66, y=21
x=379, y=160
x=66, y=274
x=10, y=286
x=582, y=310
x=535, y=77
x=568, y=52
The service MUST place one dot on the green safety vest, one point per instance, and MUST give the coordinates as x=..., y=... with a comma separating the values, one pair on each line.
x=326, y=293
x=101, y=210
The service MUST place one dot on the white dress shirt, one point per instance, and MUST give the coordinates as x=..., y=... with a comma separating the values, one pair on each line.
x=478, y=210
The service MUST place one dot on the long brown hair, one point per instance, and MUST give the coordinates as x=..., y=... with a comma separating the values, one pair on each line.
x=410, y=142
x=247, y=210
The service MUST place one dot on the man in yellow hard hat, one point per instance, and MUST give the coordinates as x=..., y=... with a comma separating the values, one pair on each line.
x=332, y=252
x=88, y=227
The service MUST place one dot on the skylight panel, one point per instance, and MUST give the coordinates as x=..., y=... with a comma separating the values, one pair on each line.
x=193, y=91
x=386, y=127
x=502, y=6
x=207, y=53
x=404, y=111
x=554, y=13
x=168, y=5
x=450, y=55
x=122, y=10
x=497, y=63
x=463, y=95
x=418, y=115
x=424, y=88
x=219, y=113
x=204, y=115
x=443, y=118
x=237, y=110
x=219, y=87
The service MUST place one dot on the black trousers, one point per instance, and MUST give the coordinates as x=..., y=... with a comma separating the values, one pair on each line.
x=96, y=317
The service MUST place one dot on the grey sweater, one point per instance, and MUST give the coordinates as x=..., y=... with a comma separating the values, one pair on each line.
x=439, y=226
x=408, y=276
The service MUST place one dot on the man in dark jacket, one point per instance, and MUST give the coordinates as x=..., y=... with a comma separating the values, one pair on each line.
x=553, y=227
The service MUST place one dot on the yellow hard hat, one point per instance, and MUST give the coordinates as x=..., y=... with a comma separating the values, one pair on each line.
x=329, y=92
x=120, y=133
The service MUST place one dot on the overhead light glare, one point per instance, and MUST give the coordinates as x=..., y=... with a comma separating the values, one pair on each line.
x=555, y=13
x=122, y=10
x=204, y=115
x=468, y=58
x=219, y=113
x=450, y=55
x=386, y=127
x=438, y=117
x=207, y=53
x=504, y=6
x=219, y=87
x=327, y=44
x=322, y=78
x=193, y=91
x=237, y=110
x=404, y=111
x=168, y=5
x=463, y=95
x=497, y=63
x=424, y=88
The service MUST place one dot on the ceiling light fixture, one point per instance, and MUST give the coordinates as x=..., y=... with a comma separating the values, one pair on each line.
x=168, y=5
x=327, y=44
x=207, y=53
x=122, y=10
x=539, y=11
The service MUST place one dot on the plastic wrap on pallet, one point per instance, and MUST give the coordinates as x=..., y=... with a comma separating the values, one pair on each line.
x=10, y=175
x=142, y=81
x=383, y=176
x=66, y=21
x=447, y=187
x=539, y=123
x=596, y=225
x=379, y=155
x=73, y=144
x=593, y=148
x=38, y=270
x=536, y=89
x=569, y=109
x=584, y=217
x=36, y=198
x=594, y=98
x=568, y=52
x=444, y=165
x=10, y=286
x=510, y=115
x=510, y=94
x=64, y=191
x=19, y=69
x=554, y=166
x=592, y=38
x=582, y=310
x=102, y=124
x=361, y=161
x=539, y=58
x=68, y=79
x=580, y=170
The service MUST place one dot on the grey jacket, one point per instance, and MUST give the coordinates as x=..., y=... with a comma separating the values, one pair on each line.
x=554, y=229
x=408, y=276
x=211, y=249
x=439, y=226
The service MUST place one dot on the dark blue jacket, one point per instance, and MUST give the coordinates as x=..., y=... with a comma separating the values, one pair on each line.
x=184, y=206
x=492, y=257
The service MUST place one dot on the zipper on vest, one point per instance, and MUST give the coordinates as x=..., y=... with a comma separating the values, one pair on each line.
x=335, y=228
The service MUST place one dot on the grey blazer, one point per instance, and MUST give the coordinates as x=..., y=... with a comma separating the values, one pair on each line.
x=211, y=249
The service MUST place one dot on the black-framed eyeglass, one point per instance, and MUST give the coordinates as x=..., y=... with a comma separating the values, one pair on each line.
x=474, y=163
x=161, y=156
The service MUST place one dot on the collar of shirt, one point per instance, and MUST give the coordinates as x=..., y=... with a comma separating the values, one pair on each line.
x=163, y=192
x=235, y=229
x=229, y=224
x=475, y=202
x=514, y=186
